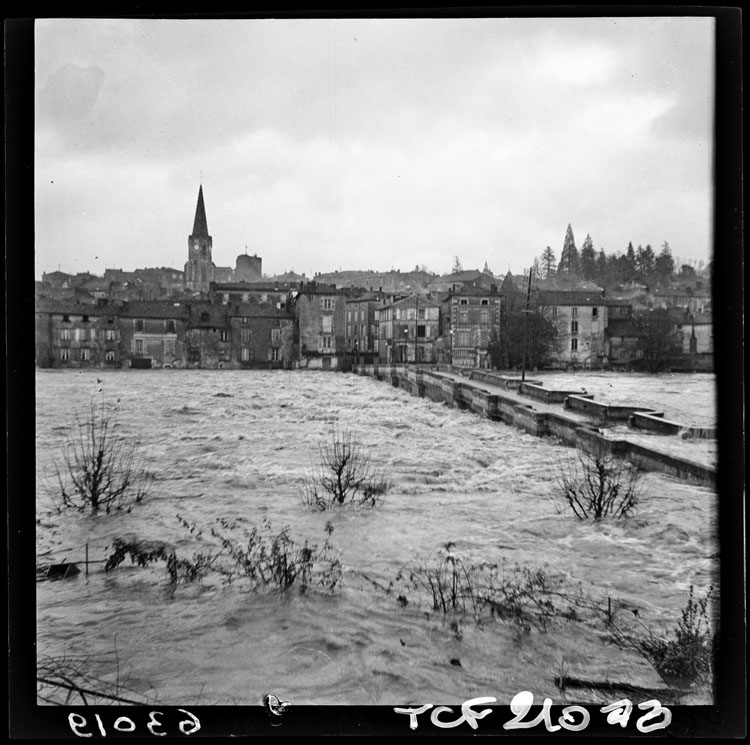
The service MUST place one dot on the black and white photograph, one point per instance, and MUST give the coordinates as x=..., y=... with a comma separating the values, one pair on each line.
x=381, y=365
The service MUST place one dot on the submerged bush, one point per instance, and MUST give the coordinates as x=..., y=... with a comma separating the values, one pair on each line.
x=145, y=552
x=259, y=556
x=267, y=558
x=101, y=470
x=596, y=485
x=345, y=475
x=523, y=595
x=687, y=653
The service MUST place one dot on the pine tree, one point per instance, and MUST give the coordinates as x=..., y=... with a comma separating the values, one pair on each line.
x=645, y=262
x=664, y=264
x=628, y=264
x=548, y=263
x=588, y=259
x=570, y=262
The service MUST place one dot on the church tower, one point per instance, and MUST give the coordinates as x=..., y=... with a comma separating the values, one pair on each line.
x=199, y=268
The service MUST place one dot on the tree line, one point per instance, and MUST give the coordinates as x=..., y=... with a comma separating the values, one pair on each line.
x=642, y=264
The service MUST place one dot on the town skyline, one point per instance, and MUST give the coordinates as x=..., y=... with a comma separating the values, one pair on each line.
x=357, y=143
x=456, y=263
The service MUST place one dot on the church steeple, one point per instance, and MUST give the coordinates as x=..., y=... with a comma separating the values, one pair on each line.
x=199, y=268
x=200, y=226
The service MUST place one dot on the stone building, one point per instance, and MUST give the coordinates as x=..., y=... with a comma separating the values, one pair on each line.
x=152, y=333
x=320, y=314
x=248, y=269
x=362, y=326
x=408, y=330
x=78, y=336
x=472, y=313
x=581, y=319
x=254, y=335
x=262, y=335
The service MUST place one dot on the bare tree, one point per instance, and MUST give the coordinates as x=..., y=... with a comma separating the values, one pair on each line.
x=597, y=484
x=100, y=470
x=344, y=475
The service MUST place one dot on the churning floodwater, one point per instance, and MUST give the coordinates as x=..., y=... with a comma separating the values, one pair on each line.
x=240, y=444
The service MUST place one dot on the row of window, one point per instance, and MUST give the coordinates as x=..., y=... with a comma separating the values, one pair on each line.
x=356, y=315
x=111, y=335
x=86, y=334
x=168, y=346
x=482, y=301
x=245, y=297
x=224, y=335
x=84, y=319
x=484, y=317
x=170, y=326
x=84, y=354
x=246, y=354
x=409, y=314
x=469, y=339
x=574, y=312
x=274, y=354
x=360, y=330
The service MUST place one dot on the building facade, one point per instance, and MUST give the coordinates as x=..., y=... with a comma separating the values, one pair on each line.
x=362, y=339
x=320, y=314
x=581, y=319
x=77, y=336
x=408, y=330
x=474, y=312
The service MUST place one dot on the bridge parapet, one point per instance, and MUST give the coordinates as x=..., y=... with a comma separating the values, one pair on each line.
x=655, y=422
x=602, y=411
x=547, y=395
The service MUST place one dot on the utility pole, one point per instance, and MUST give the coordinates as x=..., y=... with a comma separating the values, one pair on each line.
x=416, y=327
x=525, y=325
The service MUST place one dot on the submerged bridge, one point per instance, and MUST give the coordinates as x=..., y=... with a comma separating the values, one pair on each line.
x=573, y=417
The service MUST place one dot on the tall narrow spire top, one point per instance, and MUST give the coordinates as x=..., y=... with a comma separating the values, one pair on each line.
x=200, y=226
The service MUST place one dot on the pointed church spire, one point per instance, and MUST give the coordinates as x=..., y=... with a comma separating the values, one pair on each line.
x=200, y=226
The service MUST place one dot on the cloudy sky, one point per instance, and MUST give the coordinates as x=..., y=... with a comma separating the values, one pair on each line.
x=370, y=143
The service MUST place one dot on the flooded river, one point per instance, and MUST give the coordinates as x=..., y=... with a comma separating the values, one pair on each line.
x=237, y=444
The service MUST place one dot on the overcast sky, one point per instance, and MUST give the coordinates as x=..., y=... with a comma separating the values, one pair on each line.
x=370, y=144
